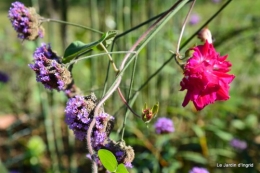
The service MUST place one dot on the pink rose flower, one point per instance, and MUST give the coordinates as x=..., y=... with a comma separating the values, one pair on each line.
x=205, y=77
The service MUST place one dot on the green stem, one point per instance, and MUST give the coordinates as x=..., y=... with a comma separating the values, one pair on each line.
x=106, y=80
x=139, y=44
x=110, y=58
x=125, y=102
x=72, y=24
x=126, y=115
x=128, y=99
x=100, y=54
x=182, y=46
x=205, y=24
x=183, y=27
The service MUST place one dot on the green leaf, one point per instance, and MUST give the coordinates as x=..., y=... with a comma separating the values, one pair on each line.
x=3, y=169
x=121, y=168
x=195, y=157
x=238, y=124
x=36, y=146
x=224, y=135
x=107, y=159
x=251, y=121
x=75, y=49
x=198, y=130
x=145, y=106
x=78, y=48
x=155, y=109
x=222, y=152
x=108, y=38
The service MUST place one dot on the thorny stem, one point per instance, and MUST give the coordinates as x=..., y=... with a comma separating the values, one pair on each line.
x=183, y=27
x=109, y=56
x=72, y=24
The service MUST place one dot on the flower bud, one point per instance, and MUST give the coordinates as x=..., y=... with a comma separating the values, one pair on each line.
x=189, y=53
x=204, y=35
x=149, y=114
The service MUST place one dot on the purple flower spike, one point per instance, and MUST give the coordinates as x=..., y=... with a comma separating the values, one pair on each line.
x=49, y=71
x=238, y=144
x=25, y=21
x=194, y=19
x=164, y=125
x=77, y=116
x=198, y=170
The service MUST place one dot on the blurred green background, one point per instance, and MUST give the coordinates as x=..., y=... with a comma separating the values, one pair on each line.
x=35, y=138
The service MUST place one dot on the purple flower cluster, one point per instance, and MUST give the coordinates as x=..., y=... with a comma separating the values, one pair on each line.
x=25, y=21
x=99, y=132
x=164, y=125
x=77, y=116
x=198, y=170
x=194, y=19
x=48, y=69
x=238, y=144
x=3, y=77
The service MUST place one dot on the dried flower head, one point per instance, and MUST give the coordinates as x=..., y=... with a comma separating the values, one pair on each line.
x=164, y=125
x=124, y=154
x=198, y=170
x=25, y=21
x=49, y=71
x=102, y=130
x=205, y=77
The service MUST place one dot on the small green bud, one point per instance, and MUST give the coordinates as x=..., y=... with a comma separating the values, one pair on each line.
x=155, y=109
x=149, y=114
x=189, y=53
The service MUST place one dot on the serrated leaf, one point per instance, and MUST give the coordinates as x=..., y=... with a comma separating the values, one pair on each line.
x=121, y=168
x=107, y=159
